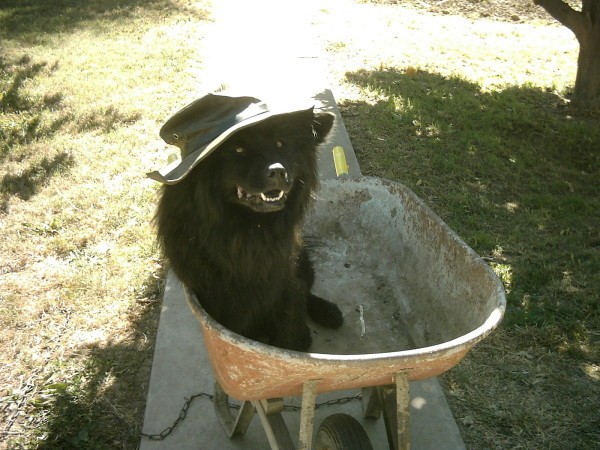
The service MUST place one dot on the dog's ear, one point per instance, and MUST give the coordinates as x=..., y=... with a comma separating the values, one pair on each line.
x=322, y=123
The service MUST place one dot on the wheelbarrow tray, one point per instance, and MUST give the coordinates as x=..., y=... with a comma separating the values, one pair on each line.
x=415, y=299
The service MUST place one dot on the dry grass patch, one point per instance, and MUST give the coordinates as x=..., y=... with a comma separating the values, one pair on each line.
x=80, y=273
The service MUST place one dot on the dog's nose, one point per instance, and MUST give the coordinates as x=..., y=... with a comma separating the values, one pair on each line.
x=277, y=171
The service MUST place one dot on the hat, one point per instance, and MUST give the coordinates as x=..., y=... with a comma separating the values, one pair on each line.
x=199, y=128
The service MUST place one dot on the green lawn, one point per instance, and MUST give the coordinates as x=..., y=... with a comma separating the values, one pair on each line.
x=518, y=180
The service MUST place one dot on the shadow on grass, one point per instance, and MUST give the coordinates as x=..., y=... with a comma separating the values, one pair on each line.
x=511, y=171
x=515, y=174
x=23, y=114
x=33, y=20
x=27, y=120
x=22, y=70
x=26, y=183
x=103, y=406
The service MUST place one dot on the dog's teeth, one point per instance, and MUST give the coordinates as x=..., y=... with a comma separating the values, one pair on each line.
x=242, y=194
x=272, y=199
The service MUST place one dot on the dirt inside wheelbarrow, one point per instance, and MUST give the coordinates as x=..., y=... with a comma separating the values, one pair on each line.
x=402, y=278
x=374, y=320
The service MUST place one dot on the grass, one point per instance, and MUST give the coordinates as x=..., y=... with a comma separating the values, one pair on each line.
x=516, y=179
x=81, y=277
x=469, y=114
x=513, y=171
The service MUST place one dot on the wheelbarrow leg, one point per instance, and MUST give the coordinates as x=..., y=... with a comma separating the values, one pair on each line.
x=307, y=414
x=233, y=426
x=403, y=411
x=371, y=404
x=278, y=434
x=269, y=412
x=393, y=401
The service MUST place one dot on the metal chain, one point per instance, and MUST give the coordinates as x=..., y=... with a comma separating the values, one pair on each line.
x=335, y=401
x=183, y=413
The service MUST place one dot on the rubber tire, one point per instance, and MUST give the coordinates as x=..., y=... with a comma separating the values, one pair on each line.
x=341, y=432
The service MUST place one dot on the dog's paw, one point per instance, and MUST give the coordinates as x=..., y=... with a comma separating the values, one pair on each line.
x=304, y=340
x=299, y=340
x=324, y=312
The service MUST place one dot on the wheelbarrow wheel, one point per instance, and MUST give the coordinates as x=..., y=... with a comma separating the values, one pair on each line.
x=342, y=432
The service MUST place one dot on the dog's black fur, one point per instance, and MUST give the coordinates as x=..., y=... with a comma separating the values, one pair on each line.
x=231, y=230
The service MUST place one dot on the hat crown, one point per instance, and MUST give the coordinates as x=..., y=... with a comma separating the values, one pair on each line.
x=201, y=127
x=205, y=119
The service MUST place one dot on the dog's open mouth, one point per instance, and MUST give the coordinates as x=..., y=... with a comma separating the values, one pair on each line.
x=262, y=201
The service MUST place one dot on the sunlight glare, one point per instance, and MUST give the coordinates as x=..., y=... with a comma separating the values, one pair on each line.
x=265, y=47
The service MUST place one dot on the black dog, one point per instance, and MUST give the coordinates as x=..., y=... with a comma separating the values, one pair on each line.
x=231, y=230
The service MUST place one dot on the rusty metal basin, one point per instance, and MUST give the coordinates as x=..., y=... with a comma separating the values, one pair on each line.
x=415, y=298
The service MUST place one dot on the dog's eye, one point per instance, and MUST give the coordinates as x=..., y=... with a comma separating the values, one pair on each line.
x=279, y=144
x=240, y=150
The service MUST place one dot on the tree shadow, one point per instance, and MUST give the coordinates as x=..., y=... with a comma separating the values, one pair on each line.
x=515, y=174
x=28, y=119
x=103, y=406
x=28, y=182
x=33, y=20
x=22, y=113
x=12, y=99
x=512, y=171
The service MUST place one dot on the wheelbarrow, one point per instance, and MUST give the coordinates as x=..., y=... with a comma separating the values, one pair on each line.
x=415, y=299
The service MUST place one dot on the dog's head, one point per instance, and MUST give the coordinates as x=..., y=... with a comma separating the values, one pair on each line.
x=265, y=166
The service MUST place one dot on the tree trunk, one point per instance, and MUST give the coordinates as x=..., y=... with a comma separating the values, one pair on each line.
x=587, y=83
x=586, y=27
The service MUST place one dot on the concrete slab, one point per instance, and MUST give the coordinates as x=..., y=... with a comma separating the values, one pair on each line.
x=181, y=369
